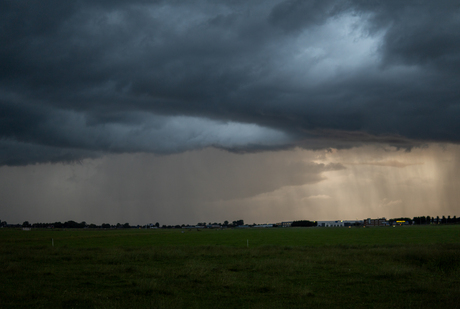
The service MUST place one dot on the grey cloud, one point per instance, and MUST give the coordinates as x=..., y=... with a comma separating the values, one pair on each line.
x=422, y=34
x=294, y=15
x=373, y=70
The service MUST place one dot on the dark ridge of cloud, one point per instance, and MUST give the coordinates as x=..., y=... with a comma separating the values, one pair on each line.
x=14, y=153
x=254, y=148
x=105, y=76
x=362, y=138
x=390, y=163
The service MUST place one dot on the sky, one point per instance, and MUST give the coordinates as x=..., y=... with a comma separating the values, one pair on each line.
x=178, y=112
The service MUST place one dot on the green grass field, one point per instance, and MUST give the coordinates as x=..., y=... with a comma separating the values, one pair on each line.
x=403, y=267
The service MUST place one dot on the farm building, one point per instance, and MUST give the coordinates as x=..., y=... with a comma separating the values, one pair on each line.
x=376, y=222
x=339, y=223
x=331, y=223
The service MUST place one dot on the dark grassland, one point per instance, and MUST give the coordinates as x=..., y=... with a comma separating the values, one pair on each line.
x=403, y=267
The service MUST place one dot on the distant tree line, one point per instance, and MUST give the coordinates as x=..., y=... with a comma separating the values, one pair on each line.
x=436, y=220
x=73, y=225
x=427, y=220
x=300, y=223
x=304, y=223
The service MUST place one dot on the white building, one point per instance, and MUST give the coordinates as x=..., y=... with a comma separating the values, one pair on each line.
x=331, y=223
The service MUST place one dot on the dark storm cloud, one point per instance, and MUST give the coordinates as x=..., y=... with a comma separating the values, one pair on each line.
x=84, y=78
x=298, y=14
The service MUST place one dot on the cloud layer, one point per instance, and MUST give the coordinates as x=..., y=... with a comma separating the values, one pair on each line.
x=82, y=79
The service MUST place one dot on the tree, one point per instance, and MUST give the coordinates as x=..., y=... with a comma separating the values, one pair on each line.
x=73, y=225
x=26, y=224
x=304, y=223
x=157, y=224
x=225, y=223
x=126, y=226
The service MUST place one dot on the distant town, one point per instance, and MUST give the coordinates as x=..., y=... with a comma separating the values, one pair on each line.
x=379, y=222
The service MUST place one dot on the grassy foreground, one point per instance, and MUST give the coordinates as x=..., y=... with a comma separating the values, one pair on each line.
x=406, y=267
